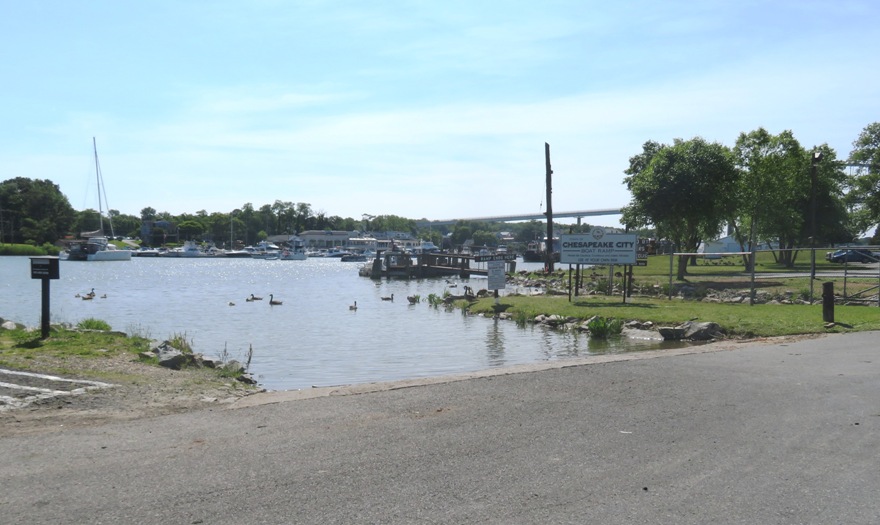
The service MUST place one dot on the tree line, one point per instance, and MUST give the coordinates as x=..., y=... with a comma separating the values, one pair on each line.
x=766, y=189
x=36, y=212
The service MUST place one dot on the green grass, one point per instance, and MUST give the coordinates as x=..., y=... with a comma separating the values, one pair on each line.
x=93, y=324
x=738, y=320
x=26, y=350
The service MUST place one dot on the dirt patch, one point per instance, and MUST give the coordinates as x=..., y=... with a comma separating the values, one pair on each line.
x=135, y=390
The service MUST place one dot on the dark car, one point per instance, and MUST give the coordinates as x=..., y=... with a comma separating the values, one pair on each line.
x=852, y=255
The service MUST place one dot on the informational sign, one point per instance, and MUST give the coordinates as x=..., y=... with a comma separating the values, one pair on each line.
x=497, y=277
x=44, y=268
x=495, y=257
x=642, y=252
x=598, y=247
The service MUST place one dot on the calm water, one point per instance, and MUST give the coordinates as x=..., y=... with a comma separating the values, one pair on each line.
x=313, y=339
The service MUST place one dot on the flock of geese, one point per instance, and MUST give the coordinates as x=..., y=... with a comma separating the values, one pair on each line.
x=272, y=300
x=275, y=302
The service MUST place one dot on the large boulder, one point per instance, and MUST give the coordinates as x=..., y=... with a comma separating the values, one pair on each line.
x=703, y=331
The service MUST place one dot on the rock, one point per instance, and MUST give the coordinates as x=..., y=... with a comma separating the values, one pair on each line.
x=234, y=366
x=638, y=333
x=172, y=358
x=211, y=363
x=671, y=333
x=703, y=331
x=247, y=378
x=554, y=320
x=8, y=325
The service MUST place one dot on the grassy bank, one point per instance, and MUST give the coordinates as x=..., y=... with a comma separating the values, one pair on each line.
x=652, y=284
x=738, y=320
x=88, y=348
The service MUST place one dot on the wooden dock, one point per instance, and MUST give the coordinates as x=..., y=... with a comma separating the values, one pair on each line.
x=399, y=264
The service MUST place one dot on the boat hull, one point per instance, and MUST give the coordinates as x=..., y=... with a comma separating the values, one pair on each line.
x=110, y=255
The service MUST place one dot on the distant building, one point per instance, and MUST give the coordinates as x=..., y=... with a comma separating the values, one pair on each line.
x=325, y=239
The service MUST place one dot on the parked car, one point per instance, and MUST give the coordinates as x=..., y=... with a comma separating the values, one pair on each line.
x=851, y=255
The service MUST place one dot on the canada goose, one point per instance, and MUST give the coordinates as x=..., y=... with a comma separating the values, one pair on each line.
x=103, y=296
x=353, y=306
x=255, y=298
x=272, y=301
x=388, y=298
x=231, y=303
x=412, y=299
x=77, y=296
x=88, y=297
x=248, y=299
x=92, y=293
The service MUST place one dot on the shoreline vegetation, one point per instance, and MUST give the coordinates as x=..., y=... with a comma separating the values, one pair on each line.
x=715, y=291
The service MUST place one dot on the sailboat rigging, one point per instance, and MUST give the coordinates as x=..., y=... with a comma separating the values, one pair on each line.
x=102, y=193
x=96, y=246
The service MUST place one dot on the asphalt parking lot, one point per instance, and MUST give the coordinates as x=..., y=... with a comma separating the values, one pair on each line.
x=770, y=432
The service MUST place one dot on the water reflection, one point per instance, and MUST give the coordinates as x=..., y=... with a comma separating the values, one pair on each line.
x=494, y=344
x=313, y=339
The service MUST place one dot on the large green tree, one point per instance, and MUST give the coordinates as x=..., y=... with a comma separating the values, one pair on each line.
x=773, y=189
x=864, y=194
x=779, y=186
x=683, y=189
x=33, y=211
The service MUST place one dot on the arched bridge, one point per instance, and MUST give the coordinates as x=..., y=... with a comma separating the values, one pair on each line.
x=526, y=217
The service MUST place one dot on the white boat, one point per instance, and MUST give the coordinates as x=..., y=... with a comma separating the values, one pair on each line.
x=264, y=250
x=297, y=252
x=189, y=249
x=96, y=246
x=145, y=252
x=242, y=254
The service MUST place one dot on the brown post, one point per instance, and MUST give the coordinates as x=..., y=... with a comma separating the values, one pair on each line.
x=828, y=302
x=548, y=249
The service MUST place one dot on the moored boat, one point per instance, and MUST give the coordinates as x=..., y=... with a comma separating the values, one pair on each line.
x=95, y=246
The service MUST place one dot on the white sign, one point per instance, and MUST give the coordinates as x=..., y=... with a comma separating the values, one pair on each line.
x=497, y=277
x=598, y=247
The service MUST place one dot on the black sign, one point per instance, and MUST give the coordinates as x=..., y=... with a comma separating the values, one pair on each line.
x=45, y=268
x=642, y=252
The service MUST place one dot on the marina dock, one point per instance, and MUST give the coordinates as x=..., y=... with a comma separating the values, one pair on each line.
x=399, y=264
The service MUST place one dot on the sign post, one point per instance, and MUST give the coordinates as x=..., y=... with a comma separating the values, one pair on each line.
x=45, y=268
x=600, y=248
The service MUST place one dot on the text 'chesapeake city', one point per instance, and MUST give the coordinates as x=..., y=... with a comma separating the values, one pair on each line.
x=598, y=244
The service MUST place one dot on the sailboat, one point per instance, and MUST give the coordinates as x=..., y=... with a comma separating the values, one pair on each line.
x=96, y=246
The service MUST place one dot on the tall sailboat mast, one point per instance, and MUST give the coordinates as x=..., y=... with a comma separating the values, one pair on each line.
x=102, y=193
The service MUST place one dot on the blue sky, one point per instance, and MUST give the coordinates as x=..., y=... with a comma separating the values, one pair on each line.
x=419, y=109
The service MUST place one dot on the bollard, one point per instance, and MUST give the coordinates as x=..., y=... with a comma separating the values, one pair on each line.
x=828, y=302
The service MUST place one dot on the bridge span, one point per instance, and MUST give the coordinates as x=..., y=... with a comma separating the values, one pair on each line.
x=526, y=217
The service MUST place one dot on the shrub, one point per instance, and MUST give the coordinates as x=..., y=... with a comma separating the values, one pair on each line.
x=179, y=342
x=602, y=327
x=93, y=324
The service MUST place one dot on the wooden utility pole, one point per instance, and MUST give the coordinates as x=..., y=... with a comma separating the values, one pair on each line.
x=548, y=248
